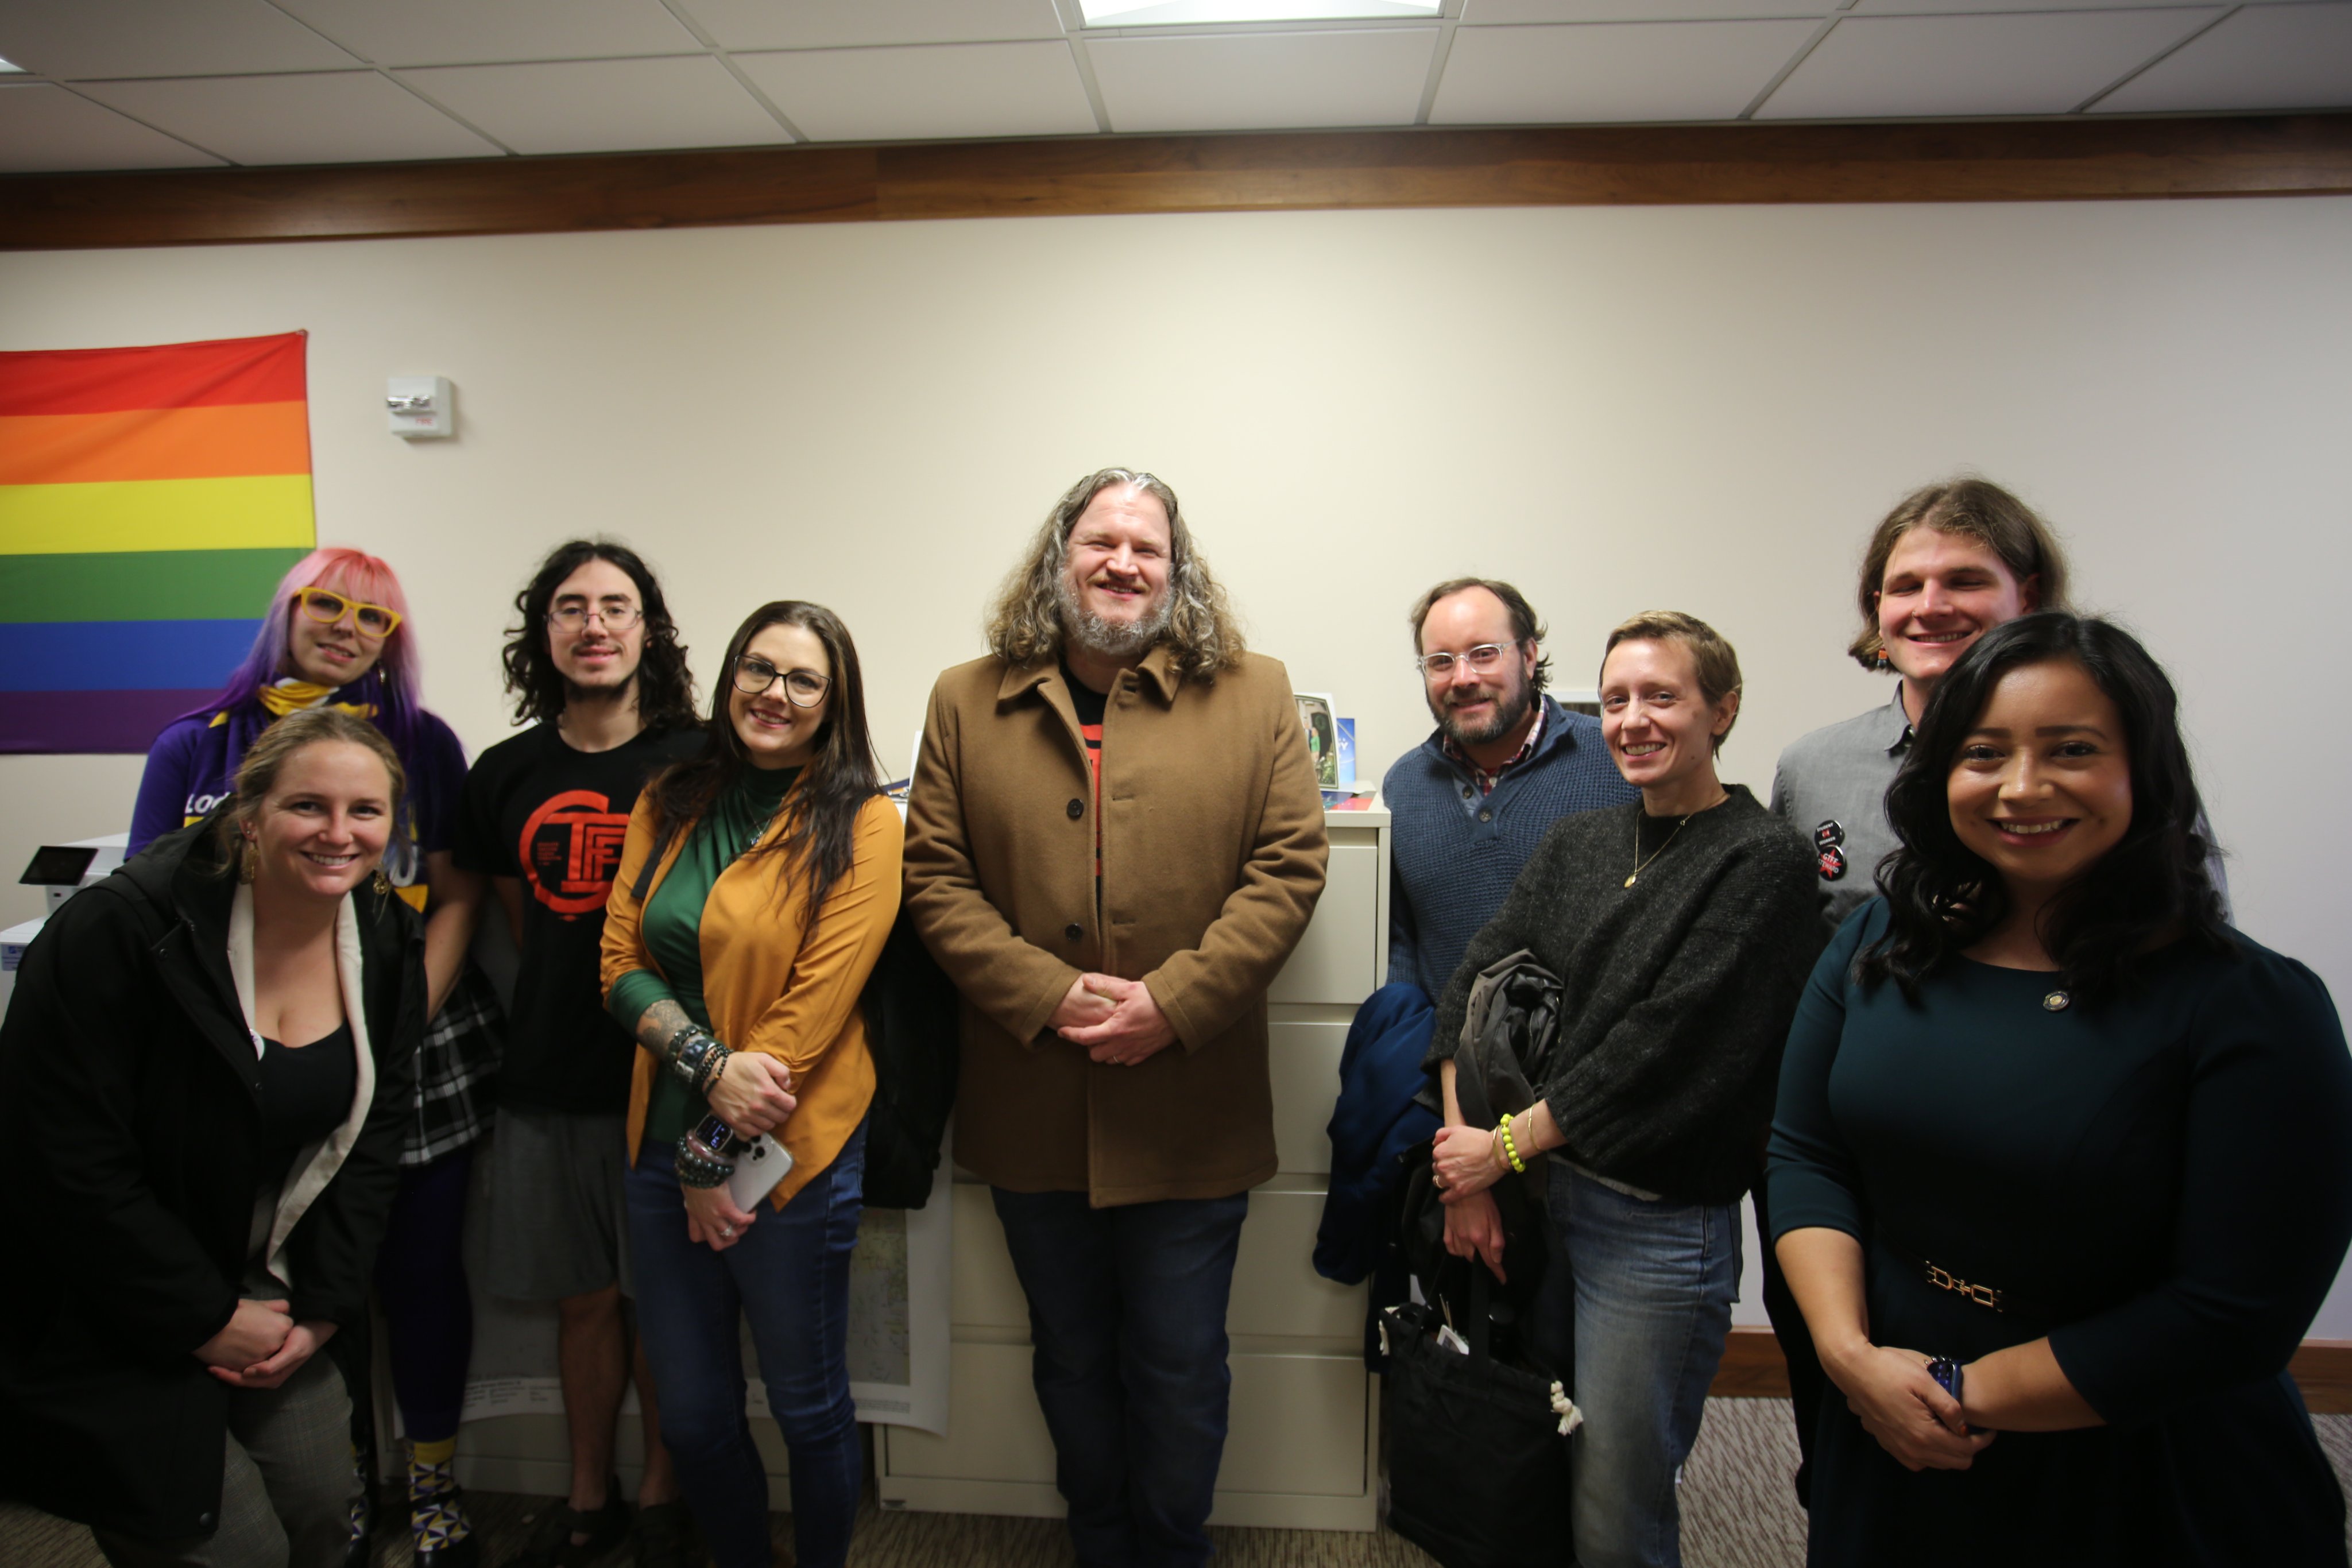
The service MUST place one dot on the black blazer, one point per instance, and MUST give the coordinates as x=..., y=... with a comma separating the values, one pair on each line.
x=130, y=1150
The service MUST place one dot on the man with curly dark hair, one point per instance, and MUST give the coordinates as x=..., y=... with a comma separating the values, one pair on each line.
x=596, y=662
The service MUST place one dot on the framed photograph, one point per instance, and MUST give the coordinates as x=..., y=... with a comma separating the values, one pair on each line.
x=1322, y=736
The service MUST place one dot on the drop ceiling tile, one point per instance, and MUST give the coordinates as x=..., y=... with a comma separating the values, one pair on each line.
x=927, y=91
x=44, y=128
x=346, y=117
x=1491, y=12
x=1263, y=81
x=464, y=32
x=1873, y=67
x=848, y=24
x=2265, y=57
x=1610, y=72
x=159, y=37
x=604, y=106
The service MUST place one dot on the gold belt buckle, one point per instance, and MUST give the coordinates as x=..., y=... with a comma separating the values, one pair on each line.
x=1945, y=1280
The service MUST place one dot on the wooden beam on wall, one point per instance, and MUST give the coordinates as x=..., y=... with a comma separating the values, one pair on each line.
x=2068, y=160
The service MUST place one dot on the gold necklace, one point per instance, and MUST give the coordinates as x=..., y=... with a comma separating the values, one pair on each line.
x=1640, y=865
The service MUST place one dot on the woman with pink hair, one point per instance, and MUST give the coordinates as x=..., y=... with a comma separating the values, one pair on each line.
x=337, y=634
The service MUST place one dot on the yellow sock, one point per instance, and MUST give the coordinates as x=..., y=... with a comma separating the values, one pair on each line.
x=439, y=1453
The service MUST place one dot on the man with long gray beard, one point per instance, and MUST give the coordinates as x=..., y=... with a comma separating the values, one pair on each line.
x=1114, y=841
x=1469, y=804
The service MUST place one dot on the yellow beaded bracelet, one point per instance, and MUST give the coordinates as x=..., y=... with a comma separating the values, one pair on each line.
x=1510, y=1149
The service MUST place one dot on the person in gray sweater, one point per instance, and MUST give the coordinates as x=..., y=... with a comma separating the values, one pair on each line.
x=1681, y=929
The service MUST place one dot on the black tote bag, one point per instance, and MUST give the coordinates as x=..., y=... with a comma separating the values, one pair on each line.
x=1478, y=1458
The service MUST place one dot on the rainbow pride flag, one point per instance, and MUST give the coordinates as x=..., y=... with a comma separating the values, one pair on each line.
x=150, y=499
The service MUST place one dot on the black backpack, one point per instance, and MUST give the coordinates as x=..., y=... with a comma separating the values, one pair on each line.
x=912, y=1019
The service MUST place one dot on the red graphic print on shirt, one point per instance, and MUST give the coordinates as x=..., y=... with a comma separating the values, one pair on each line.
x=570, y=848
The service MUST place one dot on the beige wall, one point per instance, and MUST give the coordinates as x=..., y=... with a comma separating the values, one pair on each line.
x=1698, y=408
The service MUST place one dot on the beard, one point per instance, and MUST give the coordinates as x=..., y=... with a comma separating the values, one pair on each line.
x=1510, y=707
x=610, y=689
x=1111, y=639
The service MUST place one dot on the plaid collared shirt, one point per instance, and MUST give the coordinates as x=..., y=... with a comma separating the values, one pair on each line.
x=454, y=1067
x=1485, y=780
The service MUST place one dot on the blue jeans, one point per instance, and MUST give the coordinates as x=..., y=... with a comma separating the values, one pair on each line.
x=1640, y=1295
x=1127, y=1310
x=790, y=1276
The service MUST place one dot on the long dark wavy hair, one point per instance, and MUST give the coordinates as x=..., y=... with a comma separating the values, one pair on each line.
x=821, y=829
x=665, y=684
x=2154, y=883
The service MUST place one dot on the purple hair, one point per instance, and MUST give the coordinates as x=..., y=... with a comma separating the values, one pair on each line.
x=390, y=686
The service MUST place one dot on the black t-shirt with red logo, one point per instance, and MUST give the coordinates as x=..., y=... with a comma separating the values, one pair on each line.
x=537, y=810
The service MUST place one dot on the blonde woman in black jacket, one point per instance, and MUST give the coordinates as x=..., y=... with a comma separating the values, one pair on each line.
x=204, y=1075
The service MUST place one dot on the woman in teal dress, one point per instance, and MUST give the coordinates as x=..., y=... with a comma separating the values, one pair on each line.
x=2063, y=1163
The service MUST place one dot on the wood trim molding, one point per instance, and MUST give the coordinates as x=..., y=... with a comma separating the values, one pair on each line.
x=2000, y=161
x=1753, y=1368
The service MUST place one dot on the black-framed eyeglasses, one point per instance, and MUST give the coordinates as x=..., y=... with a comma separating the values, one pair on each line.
x=617, y=614
x=803, y=688
x=1481, y=659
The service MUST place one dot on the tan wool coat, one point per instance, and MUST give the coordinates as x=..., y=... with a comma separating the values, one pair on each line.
x=1212, y=856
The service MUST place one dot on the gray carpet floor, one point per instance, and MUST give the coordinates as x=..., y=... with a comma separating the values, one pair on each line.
x=1738, y=1512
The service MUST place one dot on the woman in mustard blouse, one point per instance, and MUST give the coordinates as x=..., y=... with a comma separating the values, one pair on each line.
x=738, y=961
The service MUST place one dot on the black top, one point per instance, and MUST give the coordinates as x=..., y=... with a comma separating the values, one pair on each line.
x=1090, y=703
x=306, y=1092
x=1677, y=990
x=2162, y=1185
x=554, y=817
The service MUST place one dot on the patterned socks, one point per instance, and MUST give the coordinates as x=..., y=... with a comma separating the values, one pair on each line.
x=437, y=1508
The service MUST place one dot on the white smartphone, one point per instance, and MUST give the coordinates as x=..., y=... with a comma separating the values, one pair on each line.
x=758, y=1169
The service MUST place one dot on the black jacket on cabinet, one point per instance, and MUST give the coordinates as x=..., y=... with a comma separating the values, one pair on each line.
x=131, y=1159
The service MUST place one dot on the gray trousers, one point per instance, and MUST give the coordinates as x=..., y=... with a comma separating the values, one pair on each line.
x=287, y=1482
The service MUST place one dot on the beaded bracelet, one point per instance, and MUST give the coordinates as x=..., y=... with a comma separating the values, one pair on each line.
x=1510, y=1149
x=714, y=1062
x=698, y=1166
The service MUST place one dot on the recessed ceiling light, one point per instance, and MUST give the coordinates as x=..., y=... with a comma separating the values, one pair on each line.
x=1179, y=13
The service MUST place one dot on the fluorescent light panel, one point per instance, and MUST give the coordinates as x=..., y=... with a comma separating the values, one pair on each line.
x=1184, y=12
x=5, y=66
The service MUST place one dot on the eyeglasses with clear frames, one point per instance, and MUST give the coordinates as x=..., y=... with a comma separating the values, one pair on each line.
x=374, y=621
x=617, y=614
x=1481, y=659
x=803, y=688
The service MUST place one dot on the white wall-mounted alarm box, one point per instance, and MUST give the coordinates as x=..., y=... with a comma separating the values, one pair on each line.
x=420, y=406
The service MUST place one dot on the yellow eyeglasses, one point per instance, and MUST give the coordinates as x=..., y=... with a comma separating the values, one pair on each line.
x=325, y=606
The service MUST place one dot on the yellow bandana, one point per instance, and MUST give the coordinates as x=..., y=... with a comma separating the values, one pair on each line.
x=291, y=695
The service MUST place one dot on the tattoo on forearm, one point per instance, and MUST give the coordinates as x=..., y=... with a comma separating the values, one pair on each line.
x=660, y=1026
x=682, y=1046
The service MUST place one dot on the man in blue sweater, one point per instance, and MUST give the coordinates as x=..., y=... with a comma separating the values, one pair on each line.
x=1506, y=762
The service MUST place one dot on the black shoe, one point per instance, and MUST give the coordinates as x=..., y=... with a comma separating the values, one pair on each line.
x=552, y=1545
x=665, y=1538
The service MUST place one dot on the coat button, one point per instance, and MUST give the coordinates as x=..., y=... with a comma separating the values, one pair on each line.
x=1077, y=808
x=1074, y=931
x=1486, y=816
